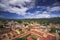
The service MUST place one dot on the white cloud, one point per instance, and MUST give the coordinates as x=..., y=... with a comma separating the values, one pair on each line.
x=57, y=8
x=55, y=15
x=20, y=11
x=37, y=15
x=6, y=5
x=45, y=12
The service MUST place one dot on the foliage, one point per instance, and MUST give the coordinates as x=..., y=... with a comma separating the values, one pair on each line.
x=34, y=36
x=19, y=29
x=23, y=38
x=53, y=30
x=59, y=33
x=1, y=26
x=41, y=21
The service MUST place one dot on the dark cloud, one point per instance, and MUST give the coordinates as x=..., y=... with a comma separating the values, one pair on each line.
x=45, y=2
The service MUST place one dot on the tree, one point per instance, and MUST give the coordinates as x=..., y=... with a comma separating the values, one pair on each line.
x=53, y=30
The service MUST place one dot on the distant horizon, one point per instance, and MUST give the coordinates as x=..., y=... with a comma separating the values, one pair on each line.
x=28, y=18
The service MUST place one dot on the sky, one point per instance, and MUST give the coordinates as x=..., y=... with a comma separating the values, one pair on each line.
x=29, y=9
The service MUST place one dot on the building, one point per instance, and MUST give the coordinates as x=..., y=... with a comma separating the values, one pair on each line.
x=40, y=35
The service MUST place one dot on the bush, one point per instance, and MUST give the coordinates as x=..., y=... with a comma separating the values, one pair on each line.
x=53, y=30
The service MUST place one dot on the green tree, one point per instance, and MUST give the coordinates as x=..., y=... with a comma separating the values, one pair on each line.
x=53, y=30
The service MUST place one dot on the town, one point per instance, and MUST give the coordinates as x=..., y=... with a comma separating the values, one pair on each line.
x=13, y=30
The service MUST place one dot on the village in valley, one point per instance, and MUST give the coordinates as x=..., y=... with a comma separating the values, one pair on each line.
x=29, y=19
x=13, y=30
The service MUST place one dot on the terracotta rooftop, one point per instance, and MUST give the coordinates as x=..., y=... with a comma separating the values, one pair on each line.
x=40, y=34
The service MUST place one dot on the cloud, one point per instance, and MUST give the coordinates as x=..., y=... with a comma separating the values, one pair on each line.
x=19, y=11
x=10, y=6
x=38, y=15
x=56, y=4
x=44, y=14
x=57, y=8
x=55, y=15
x=21, y=6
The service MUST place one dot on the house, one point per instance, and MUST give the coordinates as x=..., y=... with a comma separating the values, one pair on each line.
x=40, y=35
